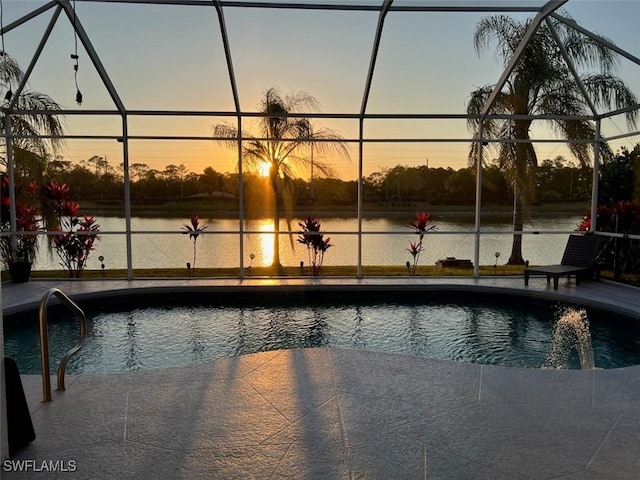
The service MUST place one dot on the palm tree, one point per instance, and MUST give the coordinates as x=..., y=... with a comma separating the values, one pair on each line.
x=31, y=124
x=31, y=154
x=283, y=143
x=542, y=84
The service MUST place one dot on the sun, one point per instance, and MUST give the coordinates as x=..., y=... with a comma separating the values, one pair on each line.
x=264, y=168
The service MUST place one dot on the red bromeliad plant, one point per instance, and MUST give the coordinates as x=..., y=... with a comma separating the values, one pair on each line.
x=422, y=224
x=76, y=233
x=585, y=224
x=194, y=230
x=315, y=242
x=25, y=246
x=619, y=254
x=621, y=217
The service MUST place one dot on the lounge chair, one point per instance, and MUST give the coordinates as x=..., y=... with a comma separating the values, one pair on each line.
x=579, y=258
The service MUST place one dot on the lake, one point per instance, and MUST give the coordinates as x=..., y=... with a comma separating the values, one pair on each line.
x=160, y=243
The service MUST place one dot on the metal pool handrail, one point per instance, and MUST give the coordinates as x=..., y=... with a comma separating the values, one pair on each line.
x=44, y=340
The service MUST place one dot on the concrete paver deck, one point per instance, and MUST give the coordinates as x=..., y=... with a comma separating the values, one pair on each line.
x=332, y=413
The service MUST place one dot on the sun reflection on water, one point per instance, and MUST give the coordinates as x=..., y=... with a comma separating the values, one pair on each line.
x=266, y=242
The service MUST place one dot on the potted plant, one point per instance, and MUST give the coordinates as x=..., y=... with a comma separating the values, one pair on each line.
x=18, y=250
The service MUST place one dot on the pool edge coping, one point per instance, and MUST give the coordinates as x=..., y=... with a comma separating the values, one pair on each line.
x=300, y=285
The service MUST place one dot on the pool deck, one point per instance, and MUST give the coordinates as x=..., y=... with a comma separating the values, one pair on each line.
x=335, y=413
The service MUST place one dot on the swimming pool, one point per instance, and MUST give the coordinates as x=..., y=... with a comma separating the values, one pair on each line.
x=174, y=330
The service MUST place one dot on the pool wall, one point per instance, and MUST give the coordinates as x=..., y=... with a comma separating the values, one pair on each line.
x=98, y=295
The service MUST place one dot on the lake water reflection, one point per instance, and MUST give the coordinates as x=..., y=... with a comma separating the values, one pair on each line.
x=385, y=242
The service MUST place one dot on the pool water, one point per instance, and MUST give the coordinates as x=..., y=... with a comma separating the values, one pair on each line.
x=512, y=332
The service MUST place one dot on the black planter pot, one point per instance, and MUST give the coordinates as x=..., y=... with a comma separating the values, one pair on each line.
x=20, y=272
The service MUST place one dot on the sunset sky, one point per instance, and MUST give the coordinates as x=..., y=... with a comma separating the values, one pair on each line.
x=171, y=58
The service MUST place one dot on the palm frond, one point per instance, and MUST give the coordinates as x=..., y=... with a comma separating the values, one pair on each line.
x=578, y=130
x=28, y=128
x=228, y=133
x=608, y=90
x=491, y=127
x=504, y=30
x=10, y=70
x=585, y=51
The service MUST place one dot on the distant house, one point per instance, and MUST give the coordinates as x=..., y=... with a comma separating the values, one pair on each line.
x=220, y=195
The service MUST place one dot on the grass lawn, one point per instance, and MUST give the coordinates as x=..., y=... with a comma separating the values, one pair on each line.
x=327, y=271
x=291, y=272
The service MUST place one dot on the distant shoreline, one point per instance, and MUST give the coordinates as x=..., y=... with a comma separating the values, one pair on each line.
x=187, y=209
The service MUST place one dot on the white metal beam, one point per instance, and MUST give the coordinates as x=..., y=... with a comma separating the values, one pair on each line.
x=236, y=102
x=27, y=17
x=227, y=55
x=443, y=6
x=573, y=24
x=4, y=433
x=620, y=111
x=622, y=136
x=384, y=9
x=596, y=177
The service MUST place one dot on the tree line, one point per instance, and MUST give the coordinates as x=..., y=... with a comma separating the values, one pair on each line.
x=556, y=180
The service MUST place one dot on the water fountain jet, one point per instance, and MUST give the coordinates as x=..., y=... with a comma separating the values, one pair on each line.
x=571, y=332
